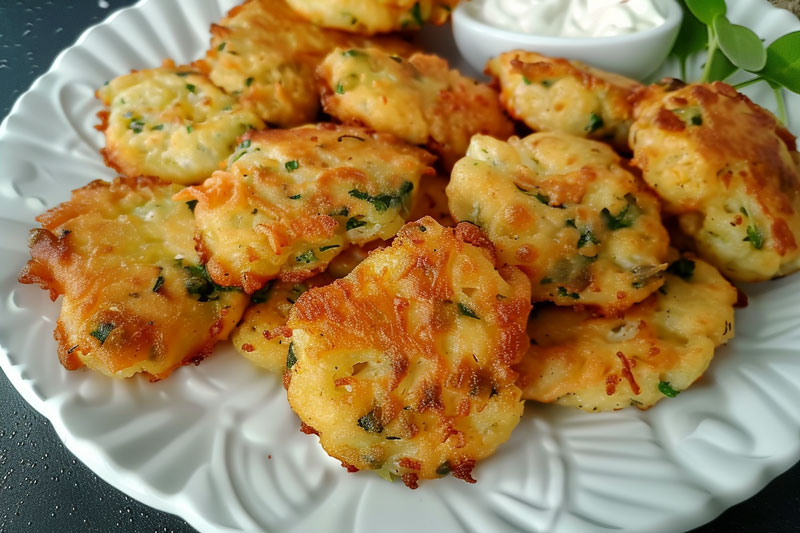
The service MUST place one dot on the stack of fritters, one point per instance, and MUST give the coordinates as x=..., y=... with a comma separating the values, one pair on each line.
x=412, y=356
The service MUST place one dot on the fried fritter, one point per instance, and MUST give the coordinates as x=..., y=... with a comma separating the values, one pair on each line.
x=403, y=367
x=266, y=53
x=658, y=348
x=564, y=210
x=136, y=297
x=420, y=99
x=374, y=16
x=171, y=123
x=291, y=200
x=727, y=168
x=551, y=94
x=262, y=336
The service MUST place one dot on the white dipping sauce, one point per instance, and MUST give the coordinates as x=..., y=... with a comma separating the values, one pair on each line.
x=571, y=18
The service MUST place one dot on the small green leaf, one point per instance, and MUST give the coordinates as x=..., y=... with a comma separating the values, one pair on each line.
x=262, y=294
x=443, y=469
x=291, y=358
x=595, y=123
x=137, y=125
x=329, y=247
x=666, y=389
x=295, y=197
x=740, y=44
x=353, y=223
x=244, y=145
x=692, y=37
x=783, y=62
x=351, y=53
x=292, y=165
x=102, y=331
x=191, y=88
x=546, y=281
x=191, y=204
x=563, y=292
x=625, y=218
x=248, y=82
x=706, y=10
x=189, y=129
x=720, y=68
x=158, y=284
x=683, y=268
x=158, y=127
x=221, y=47
x=416, y=14
x=370, y=423
x=587, y=237
x=306, y=257
x=339, y=88
x=755, y=237
x=465, y=310
x=525, y=80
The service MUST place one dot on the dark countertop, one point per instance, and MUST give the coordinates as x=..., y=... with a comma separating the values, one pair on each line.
x=43, y=487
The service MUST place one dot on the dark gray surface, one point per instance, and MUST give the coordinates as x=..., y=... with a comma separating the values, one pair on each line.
x=42, y=486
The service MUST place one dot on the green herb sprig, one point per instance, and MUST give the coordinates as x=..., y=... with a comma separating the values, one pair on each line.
x=732, y=47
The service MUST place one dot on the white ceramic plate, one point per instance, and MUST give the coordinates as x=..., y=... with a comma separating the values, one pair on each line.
x=218, y=445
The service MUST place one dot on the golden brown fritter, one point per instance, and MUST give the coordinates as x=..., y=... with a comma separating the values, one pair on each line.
x=171, y=123
x=266, y=54
x=291, y=200
x=374, y=16
x=727, y=168
x=262, y=336
x=403, y=367
x=658, y=348
x=136, y=297
x=551, y=94
x=564, y=210
x=420, y=99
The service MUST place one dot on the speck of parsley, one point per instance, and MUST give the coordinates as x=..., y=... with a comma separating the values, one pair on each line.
x=291, y=358
x=743, y=211
x=339, y=88
x=382, y=202
x=525, y=80
x=189, y=129
x=587, y=237
x=292, y=165
x=191, y=204
x=248, y=82
x=351, y=53
x=416, y=14
x=370, y=423
x=262, y=294
x=547, y=83
x=595, y=123
x=199, y=283
x=221, y=47
x=306, y=257
x=102, y=331
x=158, y=127
x=623, y=219
x=158, y=284
x=342, y=212
x=244, y=145
x=137, y=125
x=191, y=88
x=666, y=389
x=755, y=237
x=546, y=281
x=443, y=469
x=295, y=197
x=467, y=311
x=563, y=292
x=571, y=223
x=697, y=120
x=423, y=229
x=683, y=268
x=329, y=247
x=353, y=223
